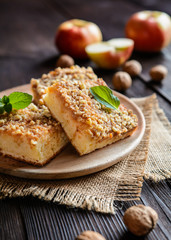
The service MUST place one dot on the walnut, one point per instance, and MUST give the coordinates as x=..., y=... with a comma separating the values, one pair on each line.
x=121, y=81
x=65, y=61
x=158, y=72
x=90, y=235
x=133, y=68
x=140, y=219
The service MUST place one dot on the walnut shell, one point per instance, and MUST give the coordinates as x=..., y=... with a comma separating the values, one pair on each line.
x=121, y=81
x=158, y=72
x=65, y=61
x=133, y=68
x=90, y=235
x=140, y=219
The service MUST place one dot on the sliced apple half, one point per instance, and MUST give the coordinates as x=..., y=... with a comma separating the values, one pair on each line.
x=110, y=54
x=121, y=44
x=100, y=52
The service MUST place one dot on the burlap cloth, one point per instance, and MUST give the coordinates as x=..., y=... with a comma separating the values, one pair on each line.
x=122, y=181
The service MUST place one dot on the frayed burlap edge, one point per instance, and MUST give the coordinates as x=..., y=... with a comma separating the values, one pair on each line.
x=59, y=196
x=158, y=165
x=132, y=190
x=128, y=168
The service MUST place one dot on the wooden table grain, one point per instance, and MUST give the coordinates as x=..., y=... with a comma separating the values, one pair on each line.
x=27, y=30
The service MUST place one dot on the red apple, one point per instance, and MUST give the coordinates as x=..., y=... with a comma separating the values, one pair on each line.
x=110, y=54
x=150, y=30
x=74, y=35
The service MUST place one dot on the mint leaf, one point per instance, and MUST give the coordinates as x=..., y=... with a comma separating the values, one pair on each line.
x=5, y=99
x=105, y=96
x=1, y=110
x=8, y=107
x=16, y=100
x=1, y=104
x=20, y=100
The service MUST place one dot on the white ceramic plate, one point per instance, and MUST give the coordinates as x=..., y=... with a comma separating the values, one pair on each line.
x=68, y=163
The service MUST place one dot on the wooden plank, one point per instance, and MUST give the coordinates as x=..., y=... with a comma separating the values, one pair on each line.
x=28, y=51
x=52, y=221
x=11, y=222
x=151, y=198
x=114, y=28
x=19, y=70
x=27, y=39
x=154, y=5
x=19, y=66
x=163, y=57
x=28, y=28
x=110, y=16
x=150, y=60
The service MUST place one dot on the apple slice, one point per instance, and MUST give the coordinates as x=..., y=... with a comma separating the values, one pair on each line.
x=110, y=54
x=100, y=52
x=121, y=44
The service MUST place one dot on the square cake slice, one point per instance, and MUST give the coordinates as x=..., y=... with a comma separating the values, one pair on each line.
x=31, y=135
x=88, y=124
x=73, y=73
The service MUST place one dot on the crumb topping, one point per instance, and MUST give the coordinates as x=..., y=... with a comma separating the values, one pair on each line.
x=73, y=73
x=101, y=121
x=30, y=122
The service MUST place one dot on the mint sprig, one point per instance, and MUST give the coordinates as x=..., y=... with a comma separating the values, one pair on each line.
x=16, y=100
x=104, y=95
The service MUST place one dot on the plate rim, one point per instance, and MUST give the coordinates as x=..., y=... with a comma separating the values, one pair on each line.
x=29, y=173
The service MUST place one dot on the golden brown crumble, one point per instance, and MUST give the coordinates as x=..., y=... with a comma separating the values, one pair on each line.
x=31, y=122
x=101, y=122
x=72, y=73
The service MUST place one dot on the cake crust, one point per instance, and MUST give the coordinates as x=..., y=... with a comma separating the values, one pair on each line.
x=35, y=163
x=88, y=124
x=31, y=135
x=74, y=73
x=39, y=86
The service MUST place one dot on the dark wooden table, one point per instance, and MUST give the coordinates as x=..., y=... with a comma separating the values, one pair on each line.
x=27, y=50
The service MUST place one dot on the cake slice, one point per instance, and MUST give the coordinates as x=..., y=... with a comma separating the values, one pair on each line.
x=31, y=135
x=73, y=73
x=88, y=124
